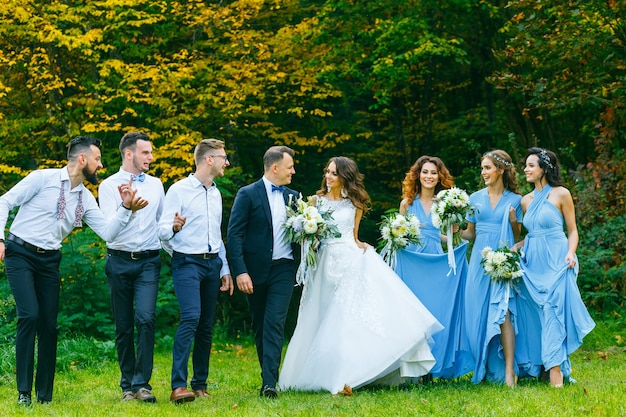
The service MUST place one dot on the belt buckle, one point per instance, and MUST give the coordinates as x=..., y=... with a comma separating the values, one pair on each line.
x=206, y=256
x=39, y=250
x=132, y=256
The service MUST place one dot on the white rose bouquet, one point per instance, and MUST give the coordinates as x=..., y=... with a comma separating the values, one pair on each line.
x=397, y=232
x=308, y=225
x=501, y=264
x=449, y=208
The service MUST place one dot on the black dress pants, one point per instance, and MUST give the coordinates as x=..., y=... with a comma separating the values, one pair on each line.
x=34, y=279
x=269, y=304
x=134, y=285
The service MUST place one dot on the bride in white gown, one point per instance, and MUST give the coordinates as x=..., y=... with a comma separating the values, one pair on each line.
x=358, y=322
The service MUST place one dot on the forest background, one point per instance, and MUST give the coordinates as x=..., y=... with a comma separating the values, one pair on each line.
x=380, y=81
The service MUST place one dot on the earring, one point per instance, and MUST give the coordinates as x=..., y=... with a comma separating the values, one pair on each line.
x=344, y=194
x=328, y=189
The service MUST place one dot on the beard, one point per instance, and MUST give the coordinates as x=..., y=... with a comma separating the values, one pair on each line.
x=92, y=177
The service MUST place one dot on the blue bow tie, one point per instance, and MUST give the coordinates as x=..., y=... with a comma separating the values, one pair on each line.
x=141, y=177
x=277, y=188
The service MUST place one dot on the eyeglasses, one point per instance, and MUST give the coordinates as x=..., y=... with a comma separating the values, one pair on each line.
x=221, y=156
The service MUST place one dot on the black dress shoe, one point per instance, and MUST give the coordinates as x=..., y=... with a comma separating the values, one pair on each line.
x=25, y=399
x=269, y=392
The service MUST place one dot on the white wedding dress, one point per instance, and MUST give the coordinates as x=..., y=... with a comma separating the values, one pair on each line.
x=358, y=322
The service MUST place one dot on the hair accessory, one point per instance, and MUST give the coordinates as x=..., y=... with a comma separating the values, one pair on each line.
x=546, y=158
x=497, y=158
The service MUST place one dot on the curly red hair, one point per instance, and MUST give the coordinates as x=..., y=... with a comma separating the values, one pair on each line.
x=411, y=186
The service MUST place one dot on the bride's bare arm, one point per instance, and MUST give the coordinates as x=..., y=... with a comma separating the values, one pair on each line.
x=357, y=221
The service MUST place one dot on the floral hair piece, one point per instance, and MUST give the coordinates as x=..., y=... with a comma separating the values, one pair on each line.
x=546, y=158
x=497, y=158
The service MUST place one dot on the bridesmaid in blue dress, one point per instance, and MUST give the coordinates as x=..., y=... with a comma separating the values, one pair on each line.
x=489, y=305
x=425, y=270
x=550, y=267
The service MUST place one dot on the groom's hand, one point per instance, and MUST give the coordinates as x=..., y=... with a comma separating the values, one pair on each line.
x=244, y=283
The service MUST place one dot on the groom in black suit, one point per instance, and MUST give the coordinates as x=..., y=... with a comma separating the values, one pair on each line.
x=263, y=264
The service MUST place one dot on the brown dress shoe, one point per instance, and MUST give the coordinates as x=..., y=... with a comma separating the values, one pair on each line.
x=182, y=395
x=347, y=391
x=202, y=393
x=145, y=395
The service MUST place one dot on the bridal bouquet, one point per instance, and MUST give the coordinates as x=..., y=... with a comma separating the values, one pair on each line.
x=449, y=208
x=308, y=225
x=501, y=264
x=397, y=232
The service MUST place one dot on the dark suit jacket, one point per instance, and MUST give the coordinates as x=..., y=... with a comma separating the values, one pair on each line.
x=250, y=234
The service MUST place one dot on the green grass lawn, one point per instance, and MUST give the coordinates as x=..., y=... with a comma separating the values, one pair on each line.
x=87, y=386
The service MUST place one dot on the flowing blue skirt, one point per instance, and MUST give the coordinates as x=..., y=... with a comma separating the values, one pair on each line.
x=441, y=291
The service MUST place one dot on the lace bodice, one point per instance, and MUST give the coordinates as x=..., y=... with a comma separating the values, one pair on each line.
x=343, y=214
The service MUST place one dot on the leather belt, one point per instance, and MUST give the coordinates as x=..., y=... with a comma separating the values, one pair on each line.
x=145, y=254
x=27, y=245
x=281, y=261
x=198, y=255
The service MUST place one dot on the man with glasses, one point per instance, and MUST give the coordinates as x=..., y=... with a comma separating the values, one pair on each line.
x=133, y=267
x=191, y=225
x=51, y=203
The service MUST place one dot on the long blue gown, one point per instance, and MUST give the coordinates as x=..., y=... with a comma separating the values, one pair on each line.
x=487, y=301
x=550, y=296
x=425, y=270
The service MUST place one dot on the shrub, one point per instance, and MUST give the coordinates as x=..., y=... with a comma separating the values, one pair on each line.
x=85, y=306
x=602, y=278
x=8, y=321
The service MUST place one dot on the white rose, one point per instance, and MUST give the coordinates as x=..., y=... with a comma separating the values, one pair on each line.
x=310, y=227
x=310, y=212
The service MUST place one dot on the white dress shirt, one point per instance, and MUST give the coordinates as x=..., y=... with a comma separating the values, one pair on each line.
x=36, y=222
x=202, y=207
x=143, y=234
x=282, y=249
